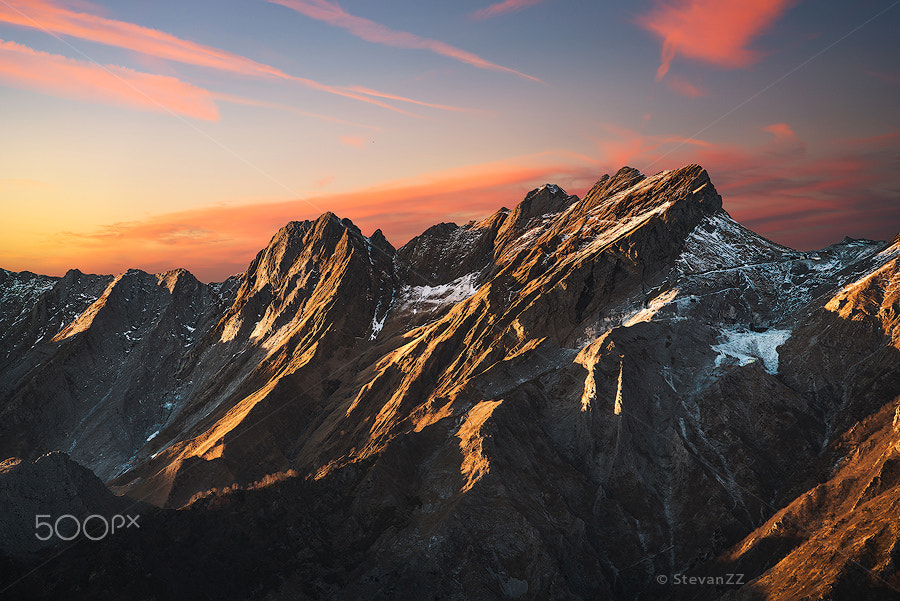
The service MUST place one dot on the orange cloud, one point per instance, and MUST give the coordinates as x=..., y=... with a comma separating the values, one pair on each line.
x=50, y=17
x=502, y=8
x=216, y=241
x=711, y=31
x=57, y=75
x=377, y=33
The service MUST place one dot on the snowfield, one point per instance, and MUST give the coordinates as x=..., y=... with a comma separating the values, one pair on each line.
x=430, y=297
x=747, y=347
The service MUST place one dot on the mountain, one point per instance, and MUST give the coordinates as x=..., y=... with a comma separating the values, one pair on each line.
x=578, y=398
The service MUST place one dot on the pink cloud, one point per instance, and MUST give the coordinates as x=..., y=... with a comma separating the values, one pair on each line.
x=56, y=75
x=712, y=31
x=377, y=94
x=882, y=140
x=781, y=131
x=324, y=181
x=354, y=141
x=50, y=17
x=623, y=146
x=377, y=33
x=679, y=85
x=502, y=8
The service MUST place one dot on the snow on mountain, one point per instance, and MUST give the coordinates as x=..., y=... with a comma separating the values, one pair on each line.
x=748, y=346
x=416, y=298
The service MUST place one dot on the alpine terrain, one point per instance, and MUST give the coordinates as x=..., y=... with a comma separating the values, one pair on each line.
x=624, y=396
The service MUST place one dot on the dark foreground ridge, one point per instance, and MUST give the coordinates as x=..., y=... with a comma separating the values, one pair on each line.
x=622, y=396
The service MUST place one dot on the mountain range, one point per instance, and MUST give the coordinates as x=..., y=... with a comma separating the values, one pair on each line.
x=623, y=396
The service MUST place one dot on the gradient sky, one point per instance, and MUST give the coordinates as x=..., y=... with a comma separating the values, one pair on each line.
x=161, y=134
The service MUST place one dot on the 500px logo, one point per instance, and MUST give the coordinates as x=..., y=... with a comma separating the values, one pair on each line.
x=94, y=527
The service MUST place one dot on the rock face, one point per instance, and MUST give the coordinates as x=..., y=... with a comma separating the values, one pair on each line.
x=569, y=399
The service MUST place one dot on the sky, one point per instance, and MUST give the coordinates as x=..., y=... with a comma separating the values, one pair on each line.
x=158, y=134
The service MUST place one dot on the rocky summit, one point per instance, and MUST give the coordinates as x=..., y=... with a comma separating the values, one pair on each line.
x=624, y=396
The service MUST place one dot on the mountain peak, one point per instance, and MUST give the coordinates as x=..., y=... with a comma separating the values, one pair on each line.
x=379, y=240
x=629, y=192
x=173, y=277
x=296, y=239
x=606, y=186
x=547, y=199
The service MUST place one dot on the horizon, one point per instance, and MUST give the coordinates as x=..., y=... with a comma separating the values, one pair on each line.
x=398, y=245
x=184, y=135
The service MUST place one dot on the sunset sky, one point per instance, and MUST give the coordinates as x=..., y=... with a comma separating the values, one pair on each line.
x=162, y=134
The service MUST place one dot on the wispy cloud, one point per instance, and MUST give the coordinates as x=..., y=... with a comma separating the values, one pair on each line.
x=354, y=141
x=680, y=85
x=377, y=33
x=56, y=75
x=49, y=16
x=502, y=8
x=377, y=94
x=324, y=181
x=712, y=31
x=781, y=131
x=244, y=101
x=53, y=18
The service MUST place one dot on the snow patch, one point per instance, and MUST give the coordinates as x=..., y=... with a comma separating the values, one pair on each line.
x=378, y=324
x=747, y=347
x=444, y=294
x=719, y=243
